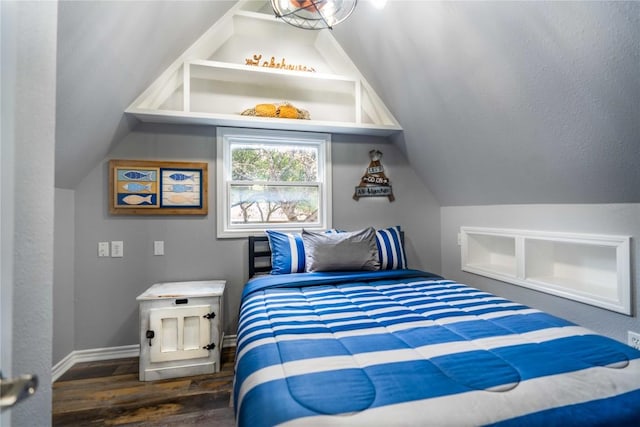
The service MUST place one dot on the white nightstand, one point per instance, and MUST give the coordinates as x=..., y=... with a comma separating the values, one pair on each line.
x=180, y=329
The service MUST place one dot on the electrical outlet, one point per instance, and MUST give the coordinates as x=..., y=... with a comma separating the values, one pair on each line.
x=633, y=339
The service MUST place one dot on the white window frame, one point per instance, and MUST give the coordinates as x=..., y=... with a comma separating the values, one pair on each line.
x=226, y=136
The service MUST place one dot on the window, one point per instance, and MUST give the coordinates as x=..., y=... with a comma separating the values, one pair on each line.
x=272, y=180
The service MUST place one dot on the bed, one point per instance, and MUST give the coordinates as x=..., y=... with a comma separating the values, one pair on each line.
x=398, y=346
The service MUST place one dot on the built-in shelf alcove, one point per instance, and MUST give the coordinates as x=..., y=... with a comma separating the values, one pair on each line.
x=219, y=77
x=590, y=268
x=492, y=253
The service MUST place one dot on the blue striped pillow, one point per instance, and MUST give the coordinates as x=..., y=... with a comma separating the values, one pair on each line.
x=390, y=249
x=287, y=252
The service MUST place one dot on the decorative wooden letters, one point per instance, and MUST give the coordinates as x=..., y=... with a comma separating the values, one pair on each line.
x=255, y=61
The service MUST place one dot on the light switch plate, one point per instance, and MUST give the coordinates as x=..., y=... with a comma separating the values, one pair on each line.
x=158, y=247
x=634, y=339
x=103, y=249
x=117, y=249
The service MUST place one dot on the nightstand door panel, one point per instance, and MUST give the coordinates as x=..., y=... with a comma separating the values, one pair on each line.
x=179, y=333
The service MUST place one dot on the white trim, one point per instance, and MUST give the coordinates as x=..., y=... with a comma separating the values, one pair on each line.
x=93, y=355
x=229, y=341
x=108, y=353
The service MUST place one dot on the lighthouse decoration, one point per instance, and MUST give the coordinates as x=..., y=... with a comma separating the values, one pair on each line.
x=374, y=183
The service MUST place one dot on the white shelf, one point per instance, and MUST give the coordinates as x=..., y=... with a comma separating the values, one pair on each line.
x=503, y=270
x=210, y=83
x=180, y=117
x=231, y=88
x=593, y=269
x=492, y=253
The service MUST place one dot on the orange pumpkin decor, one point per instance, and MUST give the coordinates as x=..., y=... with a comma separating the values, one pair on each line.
x=266, y=110
x=284, y=110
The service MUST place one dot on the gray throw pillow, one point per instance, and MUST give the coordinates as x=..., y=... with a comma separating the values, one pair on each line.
x=356, y=250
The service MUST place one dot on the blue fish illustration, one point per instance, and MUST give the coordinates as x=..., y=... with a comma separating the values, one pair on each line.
x=134, y=186
x=137, y=175
x=181, y=188
x=180, y=176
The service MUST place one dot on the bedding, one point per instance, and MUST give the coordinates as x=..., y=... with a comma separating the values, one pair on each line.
x=356, y=250
x=390, y=248
x=288, y=253
x=406, y=347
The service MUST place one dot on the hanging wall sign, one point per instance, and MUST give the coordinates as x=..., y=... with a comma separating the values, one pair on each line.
x=374, y=183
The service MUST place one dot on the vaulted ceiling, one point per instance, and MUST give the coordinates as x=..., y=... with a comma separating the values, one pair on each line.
x=500, y=102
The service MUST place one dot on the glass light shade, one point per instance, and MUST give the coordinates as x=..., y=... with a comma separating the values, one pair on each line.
x=313, y=14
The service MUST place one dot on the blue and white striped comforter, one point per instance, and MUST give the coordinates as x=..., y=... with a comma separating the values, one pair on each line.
x=409, y=348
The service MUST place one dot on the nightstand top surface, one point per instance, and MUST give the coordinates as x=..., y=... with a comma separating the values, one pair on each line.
x=170, y=290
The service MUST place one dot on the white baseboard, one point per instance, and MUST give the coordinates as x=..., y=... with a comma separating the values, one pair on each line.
x=108, y=353
x=229, y=341
x=93, y=355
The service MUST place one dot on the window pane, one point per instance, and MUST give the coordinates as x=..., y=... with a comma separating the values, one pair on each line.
x=275, y=163
x=270, y=204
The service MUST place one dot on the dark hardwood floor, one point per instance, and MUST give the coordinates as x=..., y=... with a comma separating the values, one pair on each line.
x=108, y=393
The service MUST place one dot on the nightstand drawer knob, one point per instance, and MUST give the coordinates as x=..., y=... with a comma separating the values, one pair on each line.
x=209, y=315
x=209, y=346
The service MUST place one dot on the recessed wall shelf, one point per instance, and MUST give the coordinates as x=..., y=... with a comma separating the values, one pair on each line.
x=593, y=269
x=211, y=83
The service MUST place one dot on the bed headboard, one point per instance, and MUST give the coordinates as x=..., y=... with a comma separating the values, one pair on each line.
x=260, y=254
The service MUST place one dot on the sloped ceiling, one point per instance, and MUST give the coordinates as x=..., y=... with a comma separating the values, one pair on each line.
x=108, y=53
x=510, y=102
x=501, y=102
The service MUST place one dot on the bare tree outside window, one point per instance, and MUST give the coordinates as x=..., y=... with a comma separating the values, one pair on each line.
x=274, y=184
x=272, y=179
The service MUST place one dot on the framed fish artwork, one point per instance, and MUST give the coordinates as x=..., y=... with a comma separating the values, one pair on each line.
x=143, y=187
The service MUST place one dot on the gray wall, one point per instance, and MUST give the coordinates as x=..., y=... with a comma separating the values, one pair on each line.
x=506, y=102
x=63, y=268
x=619, y=219
x=137, y=40
x=106, y=312
x=28, y=128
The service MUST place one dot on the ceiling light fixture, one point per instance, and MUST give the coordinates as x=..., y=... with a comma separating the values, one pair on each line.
x=313, y=14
